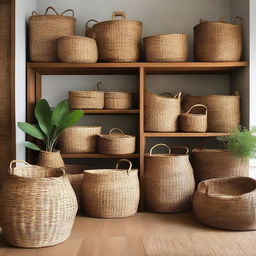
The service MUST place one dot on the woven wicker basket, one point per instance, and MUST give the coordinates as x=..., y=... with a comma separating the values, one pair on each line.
x=44, y=30
x=50, y=159
x=226, y=203
x=77, y=49
x=37, y=206
x=79, y=139
x=217, y=41
x=217, y=163
x=118, y=100
x=194, y=122
x=116, y=143
x=166, y=48
x=169, y=181
x=111, y=193
x=161, y=112
x=117, y=40
x=223, y=111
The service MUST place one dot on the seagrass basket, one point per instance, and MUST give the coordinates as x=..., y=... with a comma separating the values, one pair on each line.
x=44, y=30
x=194, y=122
x=166, y=48
x=77, y=49
x=111, y=193
x=79, y=139
x=226, y=203
x=116, y=143
x=218, y=41
x=37, y=206
x=118, y=100
x=169, y=181
x=50, y=159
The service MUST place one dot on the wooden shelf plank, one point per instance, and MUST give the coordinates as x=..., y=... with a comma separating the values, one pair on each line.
x=99, y=156
x=184, y=134
x=111, y=111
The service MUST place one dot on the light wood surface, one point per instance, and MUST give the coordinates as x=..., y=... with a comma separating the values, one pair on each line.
x=185, y=134
x=96, y=155
x=145, y=234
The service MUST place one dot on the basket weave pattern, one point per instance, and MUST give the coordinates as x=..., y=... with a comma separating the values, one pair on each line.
x=118, y=100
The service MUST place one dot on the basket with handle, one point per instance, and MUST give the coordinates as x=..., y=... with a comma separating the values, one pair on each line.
x=111, y=193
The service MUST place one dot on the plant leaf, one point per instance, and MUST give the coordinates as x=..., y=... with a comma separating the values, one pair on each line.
x=59, y=112
x=70, y=119
x=31, y=145
x=31, y=130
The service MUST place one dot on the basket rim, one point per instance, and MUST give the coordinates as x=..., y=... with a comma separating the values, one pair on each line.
x=193, y=114
x=116, y=137
x=166, y=155
x=213, y=96
x=76, y=37
x=106, y=22
x=106, y=172
x=161, y=96
x=50, y=16
x=217, y=22
x=165, y=35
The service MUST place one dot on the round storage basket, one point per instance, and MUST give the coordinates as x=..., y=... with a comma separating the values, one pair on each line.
x=169, y=181
x=50, y=159
x=79, y=139
x=117, y=40
x=44, y=30
x=218, y=41
x=217, y=163
x=116, y=143
x=162, y=112
x=111, y=193
x=77, y=49
x=223, y=111
x=37, y=206
x=118, y=100
x=166, y=48
x=192, y=121
x=226, y=203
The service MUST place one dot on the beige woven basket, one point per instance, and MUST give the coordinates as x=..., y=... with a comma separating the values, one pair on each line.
x=223, y=111
x=116, y=143
x=166, y=48
x=111, y=193
x=217, y=163
x=194, y=122
x=169, y=181
x=162, y=112
x=218, y=41
x=77, y=49
x=226, y=203
x=79, y=139
x=118, y=100
x=50, y=159
x=37, y=206
x=117, y=40
x=44, y=30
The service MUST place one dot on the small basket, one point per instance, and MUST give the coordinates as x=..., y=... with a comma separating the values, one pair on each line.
x=118, y=100
x=194, y=122
x=111, y=193
x=77, y=49
x=116, y=143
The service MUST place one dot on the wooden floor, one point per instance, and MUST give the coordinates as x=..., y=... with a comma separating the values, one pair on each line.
x=145, y=234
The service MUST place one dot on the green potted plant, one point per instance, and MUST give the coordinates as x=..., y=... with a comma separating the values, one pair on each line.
x=50, y=123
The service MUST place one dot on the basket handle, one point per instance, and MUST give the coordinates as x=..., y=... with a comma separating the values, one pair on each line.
x=238, y=21
x=203, y=188
x=34, y=13
x=98, y=86
x=14, y=162
x=196, y=106
x=157, y=145
x=117, y=129
x=50, y=8
x=118, y=14
x=69, y=10
x=124, y=160
x=177, y=96
x=87, y=27
x=181, y=147
x=166, y=93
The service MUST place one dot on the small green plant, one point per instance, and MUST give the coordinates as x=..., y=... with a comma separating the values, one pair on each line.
x=241, y=142
x=50, y=123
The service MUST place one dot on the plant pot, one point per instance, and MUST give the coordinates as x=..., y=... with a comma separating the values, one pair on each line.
x=50, y=159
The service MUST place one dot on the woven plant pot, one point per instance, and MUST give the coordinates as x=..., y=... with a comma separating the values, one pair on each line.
x=166, y=48
x=79, y=139
x=44, y=30
x=117, y=40
x=50, y=159
x=161, y=112
x=37, y=206
x=218, y=41
x=118, y=100
x=169, y=181
x=217, y=163
x=116, y=143
x=111, y=193
x=77, y=49
x=226, y=203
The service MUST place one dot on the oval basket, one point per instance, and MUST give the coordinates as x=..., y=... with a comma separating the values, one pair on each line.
x=111, y=193
x=166, y=48
x=37, y=207
x=226, y=203
x=169, y=181
x=44, y=30
x=116, y=143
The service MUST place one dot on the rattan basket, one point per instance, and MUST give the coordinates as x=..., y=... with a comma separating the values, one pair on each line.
x=37, y=206
x=50, y=159
x=44, y=30
x=79, y=139
x=226, y=203
x=111, y=193
x=169, y=181
x=218, y=41
x=117, y=40
x=118, y=100
x=77, y=49
x=116, y=143
x=166, y=48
